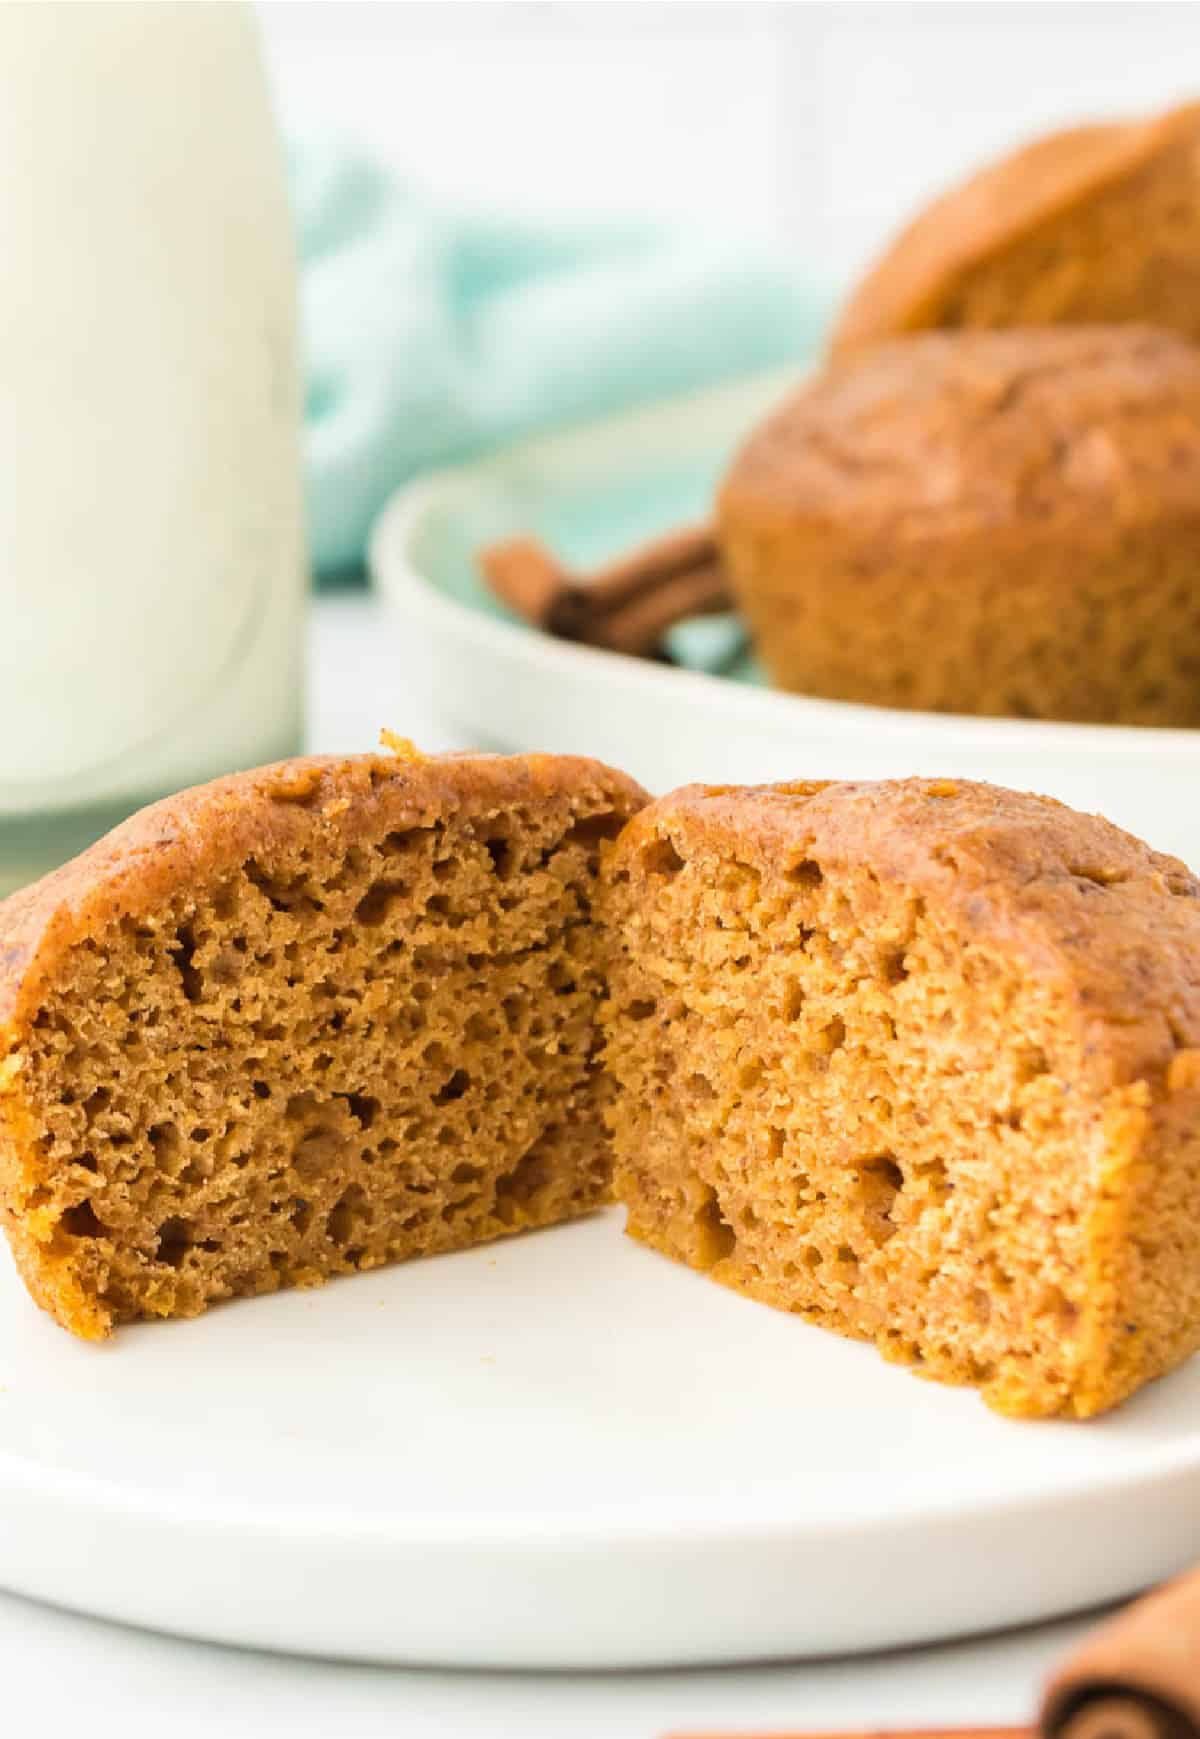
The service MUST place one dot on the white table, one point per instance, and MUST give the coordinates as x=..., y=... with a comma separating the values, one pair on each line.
x=111, y=1683
x=60, y=1673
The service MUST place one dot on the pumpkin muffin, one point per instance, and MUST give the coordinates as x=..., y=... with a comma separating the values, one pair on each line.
x=1003, y=523
x=919, y=1061
x=301, y=1022
x=1094, y=224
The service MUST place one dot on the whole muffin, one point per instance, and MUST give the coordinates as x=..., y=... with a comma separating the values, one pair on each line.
x=1002, y=523
x=1098, y=223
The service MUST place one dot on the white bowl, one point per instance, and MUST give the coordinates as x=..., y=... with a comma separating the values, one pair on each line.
x=593, y=490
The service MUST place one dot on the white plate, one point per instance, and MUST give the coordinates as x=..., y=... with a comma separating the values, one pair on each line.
x=591, y=492
x=564, y=1450
x=558, y=1451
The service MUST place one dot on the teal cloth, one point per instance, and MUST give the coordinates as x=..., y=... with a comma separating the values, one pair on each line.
x=431, y=335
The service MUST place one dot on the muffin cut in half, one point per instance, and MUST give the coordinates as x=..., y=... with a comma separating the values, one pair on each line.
x=918, y=1061
x=303, y=1021
x=1095, y=223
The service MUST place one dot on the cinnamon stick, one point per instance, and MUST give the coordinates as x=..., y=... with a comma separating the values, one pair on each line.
x=1137, y=1677
x=525, y=575
x=626, y=605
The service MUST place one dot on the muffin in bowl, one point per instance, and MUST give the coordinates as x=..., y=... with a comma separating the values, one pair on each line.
x=999, y=523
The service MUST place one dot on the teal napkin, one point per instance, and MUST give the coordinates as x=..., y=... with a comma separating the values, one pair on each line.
x=431, y=334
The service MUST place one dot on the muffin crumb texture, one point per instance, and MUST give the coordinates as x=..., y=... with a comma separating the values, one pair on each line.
x=301, y=1023
x=918, y=1061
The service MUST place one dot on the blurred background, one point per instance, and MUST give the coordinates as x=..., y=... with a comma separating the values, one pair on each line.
x=815, y=126
x=757, y=155
x=509, y=219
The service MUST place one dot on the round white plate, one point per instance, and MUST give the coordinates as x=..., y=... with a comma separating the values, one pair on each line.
x=593, y=491
x=558, y=1451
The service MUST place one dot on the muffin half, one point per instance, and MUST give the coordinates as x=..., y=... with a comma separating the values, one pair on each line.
x=304, y=1021
x=919, y=1061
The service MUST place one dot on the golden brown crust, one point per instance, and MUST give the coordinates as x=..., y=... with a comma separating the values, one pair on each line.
x=197, y=831
x=947, y=433
x=1078, y=901
x=976, y=224
x=987, y=522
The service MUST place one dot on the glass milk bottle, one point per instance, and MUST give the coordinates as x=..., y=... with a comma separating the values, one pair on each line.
x=151, y=558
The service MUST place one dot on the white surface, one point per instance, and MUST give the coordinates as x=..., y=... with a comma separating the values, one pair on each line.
x=498, y=683
x=58, y=1668
x=64, y=1676
x=149, y=463
x=559, y=1451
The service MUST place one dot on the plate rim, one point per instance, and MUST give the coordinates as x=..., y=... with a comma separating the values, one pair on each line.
x=600, y=1529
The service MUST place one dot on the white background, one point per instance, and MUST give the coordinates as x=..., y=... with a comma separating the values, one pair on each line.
x=821, y=125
